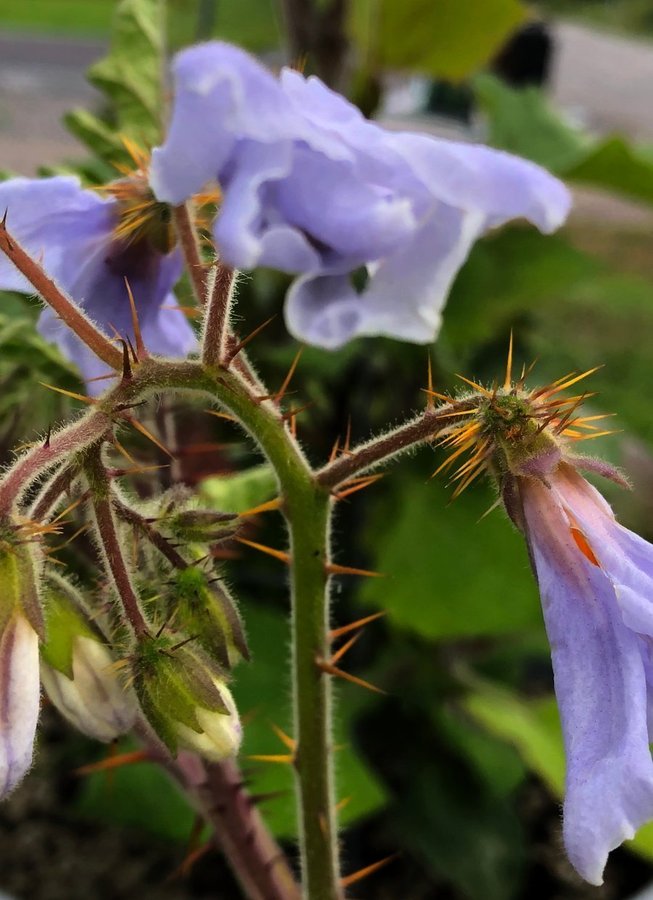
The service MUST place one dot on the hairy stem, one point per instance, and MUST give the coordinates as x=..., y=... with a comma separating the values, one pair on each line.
x=190, y=247
x=216, y=322
x=64, y=307
x=378, y=450
x=100, y=489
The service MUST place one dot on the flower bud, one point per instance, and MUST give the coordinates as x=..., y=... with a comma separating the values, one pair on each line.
x=201, y=526
x=20, y=615
x=79, y=673
x=208, y=612
x=186, y=700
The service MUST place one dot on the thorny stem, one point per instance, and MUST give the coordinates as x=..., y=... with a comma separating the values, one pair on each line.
x=372, y=453
x=49, y=496
x=238, y=829
x=191, y=250
x=110, y=542
x=216, y=322
x=65, y=308
x=162, y=544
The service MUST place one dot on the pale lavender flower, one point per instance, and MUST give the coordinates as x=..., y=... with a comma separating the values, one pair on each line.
x=19, y=699
x=596, y=583
x=77, y=234
x=311, y=187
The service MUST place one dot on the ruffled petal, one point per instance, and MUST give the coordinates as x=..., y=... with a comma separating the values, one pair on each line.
x=600, y=684
x=405, y=294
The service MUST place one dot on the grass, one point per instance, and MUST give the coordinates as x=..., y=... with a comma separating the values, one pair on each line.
x=252, y=23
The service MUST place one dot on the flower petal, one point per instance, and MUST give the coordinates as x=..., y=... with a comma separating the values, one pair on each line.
x=600, y=684
x=19, y=700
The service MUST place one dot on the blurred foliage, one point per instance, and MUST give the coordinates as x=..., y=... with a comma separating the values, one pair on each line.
x=448, y=39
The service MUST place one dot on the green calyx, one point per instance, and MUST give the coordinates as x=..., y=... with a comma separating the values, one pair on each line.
x=207, y=611
x=19, y=591
x=66, y=621
x=519, y=438
x=201, y=526
x=173, y=683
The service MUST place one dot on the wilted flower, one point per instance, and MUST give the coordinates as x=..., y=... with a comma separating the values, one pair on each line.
x=78, y=671
x=89, y=244
x=311, y=187
x=596, y=583
x=185, y=699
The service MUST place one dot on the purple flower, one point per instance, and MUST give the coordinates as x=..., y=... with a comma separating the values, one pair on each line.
x=313, y=188
x=88, y=245
x=596, y=583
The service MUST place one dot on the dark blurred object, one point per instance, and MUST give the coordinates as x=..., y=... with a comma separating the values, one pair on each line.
x=207, y=16
x=526, y=58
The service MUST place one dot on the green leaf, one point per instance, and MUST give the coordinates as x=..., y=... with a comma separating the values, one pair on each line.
x=138, y=796
x=523, y=121
x=449, y=574
x=262, y=694
x=131, y=77
x=532, y=727
x=514, y=271
x=448, y=39
x=239, y=492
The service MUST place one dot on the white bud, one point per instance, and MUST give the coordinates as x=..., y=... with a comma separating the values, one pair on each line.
x=19, y=699
x=94, y=700
x=221, y=733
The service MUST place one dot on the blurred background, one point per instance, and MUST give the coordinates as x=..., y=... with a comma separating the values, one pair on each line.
x=458, y=767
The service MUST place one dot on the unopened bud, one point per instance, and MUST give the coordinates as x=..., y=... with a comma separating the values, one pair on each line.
x=186, y=700
x=21, y=622
x=78, y=671
x=201, y=526
x=209, y=613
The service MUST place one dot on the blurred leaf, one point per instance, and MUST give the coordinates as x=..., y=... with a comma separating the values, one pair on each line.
x=514, y=271
x=262, y=693
x=239, y=492
x=523, y=121
x=449, y=575
x=606, y=320
x=532, y=727
x=131, y=77
x=139, y=796
x=448, y=39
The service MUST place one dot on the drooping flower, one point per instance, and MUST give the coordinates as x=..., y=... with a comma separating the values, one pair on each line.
x=90, y=244
x=596, y=584
x=313, y=188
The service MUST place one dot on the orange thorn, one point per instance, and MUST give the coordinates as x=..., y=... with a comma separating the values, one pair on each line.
x=443, y=397
x=334, y=450
x=293, y=413
x=368, y=870
x=429, y=381
x=186, y=866
x=475, y=385
x=68, y=509
x=346, y=445
x=79, y=531
x=291, y=371
x=335, y=569
x=345, y=629
x=337, y=656
x=277, y=554
x=250, y=337
x=285, y=739
x=221, y=415
x=148, y=434
x=508, y=379
x=358, y=484
x=343, y=803
x=141, y=350
x=66, y=393
x=114, y=762
x=286, y=759
x=330, y=669
x=270, y=505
